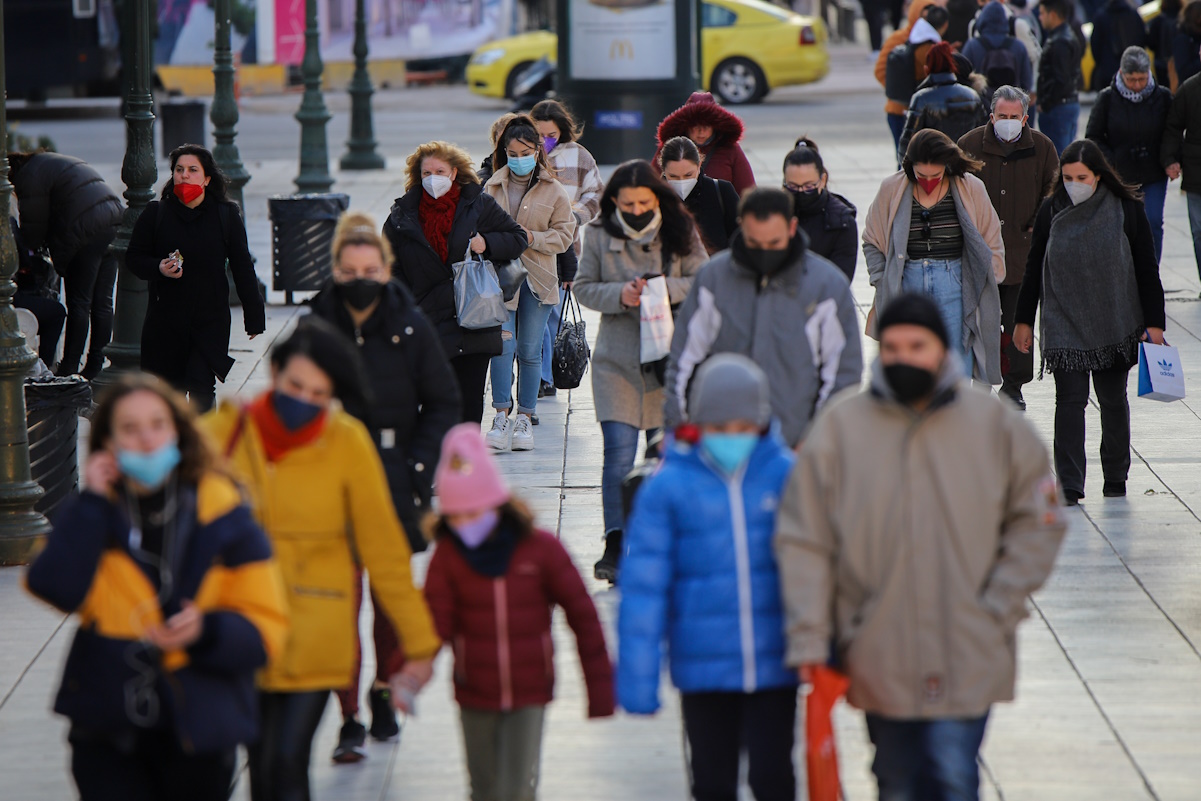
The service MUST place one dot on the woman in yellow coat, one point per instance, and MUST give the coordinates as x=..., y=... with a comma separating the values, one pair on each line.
x=318, y=489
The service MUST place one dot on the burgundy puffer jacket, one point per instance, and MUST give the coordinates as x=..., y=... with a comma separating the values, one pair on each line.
x=500, y=627
x=722, y=158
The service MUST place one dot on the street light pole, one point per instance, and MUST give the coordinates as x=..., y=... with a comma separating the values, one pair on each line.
x=313, y=115
x=20, y=524
x=224, y=112
x=360, y=154
x=139, y=173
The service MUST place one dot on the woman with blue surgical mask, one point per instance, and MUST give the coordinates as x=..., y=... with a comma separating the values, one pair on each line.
x=524, y=185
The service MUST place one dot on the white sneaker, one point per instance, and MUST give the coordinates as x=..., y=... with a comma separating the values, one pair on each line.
x=500, y=438
x=523, y=434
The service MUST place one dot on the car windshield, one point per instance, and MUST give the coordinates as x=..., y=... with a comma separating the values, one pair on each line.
x=781, y=14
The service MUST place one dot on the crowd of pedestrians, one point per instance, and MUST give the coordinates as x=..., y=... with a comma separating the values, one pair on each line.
x=800, y=518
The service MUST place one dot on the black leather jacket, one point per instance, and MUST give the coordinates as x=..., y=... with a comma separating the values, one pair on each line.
x=946, y=105
x=1059, y=69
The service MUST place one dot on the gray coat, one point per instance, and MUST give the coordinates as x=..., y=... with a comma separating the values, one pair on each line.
x=622, y=391
x=799, y=325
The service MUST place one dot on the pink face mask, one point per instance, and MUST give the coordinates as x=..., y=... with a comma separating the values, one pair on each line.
x=473, y=533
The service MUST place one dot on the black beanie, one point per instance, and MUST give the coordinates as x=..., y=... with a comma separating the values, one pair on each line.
x=912, y=308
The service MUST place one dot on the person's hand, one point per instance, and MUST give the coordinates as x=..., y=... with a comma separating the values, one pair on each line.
x=1023, y=337
x=529, y=235
x=408, y=682
x=178, y=631
x=567, y=285
x=170, y=268
x=1173, y=171
x=631, y=293
x=1155, y=335
x=252, y=336
x=100, y=473
x=478, y=245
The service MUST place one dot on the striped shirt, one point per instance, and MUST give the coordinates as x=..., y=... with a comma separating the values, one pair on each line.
x=934, y=232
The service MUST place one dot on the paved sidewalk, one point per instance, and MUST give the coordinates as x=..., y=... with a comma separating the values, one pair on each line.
x=1109, y=705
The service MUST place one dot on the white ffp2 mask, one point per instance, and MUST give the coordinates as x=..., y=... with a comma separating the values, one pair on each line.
x=436, y=185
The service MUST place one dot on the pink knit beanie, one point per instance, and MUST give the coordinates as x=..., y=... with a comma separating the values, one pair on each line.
x=467, y=480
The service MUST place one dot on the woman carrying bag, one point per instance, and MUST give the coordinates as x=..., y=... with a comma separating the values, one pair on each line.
x=1092, y=266
x=525, y=188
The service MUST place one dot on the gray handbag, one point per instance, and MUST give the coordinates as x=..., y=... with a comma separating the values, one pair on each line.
x=479, y=300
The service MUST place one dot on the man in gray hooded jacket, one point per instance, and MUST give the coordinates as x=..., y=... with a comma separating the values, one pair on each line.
x=769, y=298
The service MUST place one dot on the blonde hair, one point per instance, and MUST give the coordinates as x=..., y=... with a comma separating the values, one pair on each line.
x=452, y=154
x=359, y=228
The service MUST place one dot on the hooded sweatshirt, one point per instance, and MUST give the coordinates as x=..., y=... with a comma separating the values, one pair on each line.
x=992, y=27
x=894, y=40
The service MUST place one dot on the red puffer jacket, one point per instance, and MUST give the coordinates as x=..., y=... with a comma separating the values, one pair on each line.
x=500, y=627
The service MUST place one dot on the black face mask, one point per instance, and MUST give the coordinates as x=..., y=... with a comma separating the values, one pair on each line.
x=808, y=202
x=765, y=262
x=360, y=293
x=638, y=221
x=909, y=383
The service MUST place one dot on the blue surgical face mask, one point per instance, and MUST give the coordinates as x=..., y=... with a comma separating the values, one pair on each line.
x=730, y=451
x=474, y=532
x=294, y=413
x=151, y=470
x=522, y=165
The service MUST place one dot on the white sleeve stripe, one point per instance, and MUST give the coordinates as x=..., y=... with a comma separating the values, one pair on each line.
x=702, y=333
x=827, y=342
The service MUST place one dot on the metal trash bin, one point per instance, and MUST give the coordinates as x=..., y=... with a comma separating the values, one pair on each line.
x=52, y=407
x=302, y=230
x=182, y=123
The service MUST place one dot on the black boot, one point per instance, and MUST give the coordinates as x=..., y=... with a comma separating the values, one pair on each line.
x=351, y=743
x=384, y=725
x=606, y=568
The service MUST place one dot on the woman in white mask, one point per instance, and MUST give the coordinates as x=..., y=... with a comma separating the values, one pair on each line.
x=442, y=214
x=1092, y=266
x=712, y=201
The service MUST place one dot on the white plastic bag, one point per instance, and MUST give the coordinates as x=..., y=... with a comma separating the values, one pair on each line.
x=1160, y=376
x=658, y=326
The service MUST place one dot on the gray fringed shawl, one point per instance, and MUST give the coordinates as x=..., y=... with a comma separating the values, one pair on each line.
x=1091, y=318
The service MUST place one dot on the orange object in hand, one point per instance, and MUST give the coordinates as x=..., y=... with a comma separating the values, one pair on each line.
x=821, y=752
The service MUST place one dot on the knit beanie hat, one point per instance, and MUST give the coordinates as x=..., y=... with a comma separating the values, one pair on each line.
x=912, y=308
x=729, y=386
x=467, y=479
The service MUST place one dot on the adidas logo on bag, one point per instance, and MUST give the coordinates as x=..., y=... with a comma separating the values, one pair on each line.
x=1165, y=368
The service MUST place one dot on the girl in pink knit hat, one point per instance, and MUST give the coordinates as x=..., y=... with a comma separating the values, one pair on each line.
x=491, y=585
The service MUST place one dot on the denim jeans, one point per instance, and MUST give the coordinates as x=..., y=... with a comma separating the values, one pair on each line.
x=524, y=330
x=1154, y=196
x=621, y=448
x=1194, y=224
x=1060, y=123
x=942, y=281
x=548, y=339
x=927, y=760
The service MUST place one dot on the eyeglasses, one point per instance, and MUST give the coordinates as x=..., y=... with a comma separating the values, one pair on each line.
x=926, y=224
x=809, y=187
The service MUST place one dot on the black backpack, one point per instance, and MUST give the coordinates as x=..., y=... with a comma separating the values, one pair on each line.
x=900, y=81
x=571, y=353
x=1000, y=65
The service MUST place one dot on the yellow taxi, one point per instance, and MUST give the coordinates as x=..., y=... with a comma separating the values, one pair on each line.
x=748, y=48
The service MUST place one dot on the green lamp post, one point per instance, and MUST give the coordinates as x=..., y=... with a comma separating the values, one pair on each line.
x=313, y=115
x=139, y=173
x=20, y=524
x=224, y=113
x=360, y=153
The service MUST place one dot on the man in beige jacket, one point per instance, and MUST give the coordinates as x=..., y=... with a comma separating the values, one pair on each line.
x=920, y=515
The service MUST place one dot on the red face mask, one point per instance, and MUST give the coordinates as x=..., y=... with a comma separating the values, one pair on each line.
x=188, y=192
x=928, y=185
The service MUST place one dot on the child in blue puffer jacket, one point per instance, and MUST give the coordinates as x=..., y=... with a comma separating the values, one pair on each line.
x=700, y=572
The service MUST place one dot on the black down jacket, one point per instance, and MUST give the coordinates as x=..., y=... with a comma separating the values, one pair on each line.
x=1130, y=134
x=431, y=279
x=415, y=394
x=64, y=204
x=942, y=103
x=832, y=232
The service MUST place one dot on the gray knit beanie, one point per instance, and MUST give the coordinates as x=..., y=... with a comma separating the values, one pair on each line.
x=729, y=386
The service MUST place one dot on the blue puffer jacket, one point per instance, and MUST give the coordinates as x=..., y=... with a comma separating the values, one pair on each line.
x=700, y=570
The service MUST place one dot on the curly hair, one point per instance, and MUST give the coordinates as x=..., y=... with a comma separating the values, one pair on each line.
x=677, y=233
x=217, y=183
x=359, y=228
x=452, y=154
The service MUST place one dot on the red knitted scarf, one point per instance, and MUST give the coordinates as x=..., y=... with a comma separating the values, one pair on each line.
x=277, y=439
x=437, y=216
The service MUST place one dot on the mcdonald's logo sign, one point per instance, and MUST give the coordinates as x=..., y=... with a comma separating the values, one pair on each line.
x=621, y=49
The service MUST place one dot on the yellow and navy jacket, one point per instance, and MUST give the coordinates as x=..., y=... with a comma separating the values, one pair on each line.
x=114, y=682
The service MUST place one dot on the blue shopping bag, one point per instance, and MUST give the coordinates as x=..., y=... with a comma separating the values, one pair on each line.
x=1160, y=376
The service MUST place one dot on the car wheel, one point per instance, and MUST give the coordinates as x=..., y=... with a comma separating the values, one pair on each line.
x=738, y=81
x=514, y=75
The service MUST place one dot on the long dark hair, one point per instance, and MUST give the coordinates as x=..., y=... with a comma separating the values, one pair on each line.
x=333, y=352
x=520, y=128
x=556, y=112
x=1086, y=152
x=677, y=232
x=931, y=146
x=196, y=457
x=805, y=152
x=217, y=183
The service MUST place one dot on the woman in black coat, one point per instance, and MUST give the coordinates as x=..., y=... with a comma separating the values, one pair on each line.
x=827, y=219
x=180, y=245
x=712, y=202
x=67, y=207
x=1127, y=123
x=443, y=212
x=415, y=401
